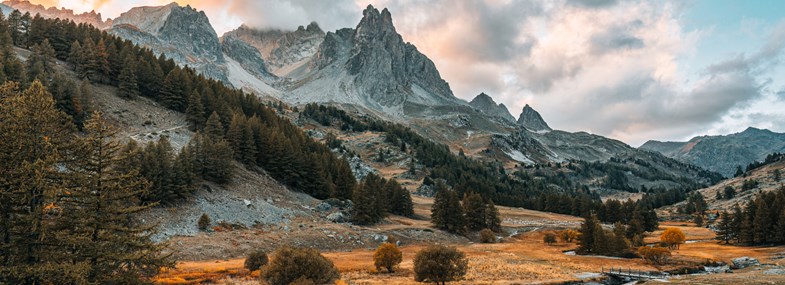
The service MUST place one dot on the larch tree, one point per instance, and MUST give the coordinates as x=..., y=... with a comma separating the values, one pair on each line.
x=117, y=247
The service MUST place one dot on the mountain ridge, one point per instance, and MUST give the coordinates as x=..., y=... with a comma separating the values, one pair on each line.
x=722, y=153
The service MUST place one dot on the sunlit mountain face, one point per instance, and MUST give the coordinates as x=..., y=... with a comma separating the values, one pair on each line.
x=630, y=70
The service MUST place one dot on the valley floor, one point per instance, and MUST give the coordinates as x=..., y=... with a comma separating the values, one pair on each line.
x=521, y=258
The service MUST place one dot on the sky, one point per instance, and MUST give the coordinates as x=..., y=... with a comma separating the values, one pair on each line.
x=632, y=70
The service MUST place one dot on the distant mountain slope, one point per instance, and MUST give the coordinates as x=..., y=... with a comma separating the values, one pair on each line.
x=286, y=53
x=23, y=6
x=723, y=153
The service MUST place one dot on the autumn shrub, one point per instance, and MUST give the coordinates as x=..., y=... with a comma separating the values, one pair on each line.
x=387, y=256
x=204, y=222
x=549, y=238
x=654, y=255
x=569, y=236
x=292, y=264
x=256, y=260
x=439, y=264
x=487, y=236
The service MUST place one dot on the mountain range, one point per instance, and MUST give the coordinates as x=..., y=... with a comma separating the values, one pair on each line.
x=371, y=70
x=725, y=153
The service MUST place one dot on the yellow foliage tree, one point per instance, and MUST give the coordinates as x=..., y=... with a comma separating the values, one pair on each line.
x=387, y=256
x=673, y=237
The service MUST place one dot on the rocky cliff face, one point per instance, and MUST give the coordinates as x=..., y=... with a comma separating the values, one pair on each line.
x=371, y=66
x=247, y=56
x=285, y=53
x=531, y=120
x=486, y=105
x=723, y=153
x=181, y=33
x=23, y=6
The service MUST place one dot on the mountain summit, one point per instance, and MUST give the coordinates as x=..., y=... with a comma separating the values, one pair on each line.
x=485, y=104
x=532, y=121
x=182, y=33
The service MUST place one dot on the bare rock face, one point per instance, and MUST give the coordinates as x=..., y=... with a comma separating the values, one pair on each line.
x=487, y=106
x=248, y=57
x=283, y=51
x=385, y=66
x=181, y=33
x=531, y=120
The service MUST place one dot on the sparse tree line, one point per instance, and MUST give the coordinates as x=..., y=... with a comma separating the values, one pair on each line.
x=490, y=181
x=472, y=213
x=375, y=197
x=288, y=265
x=761, y=221
x=771, y=158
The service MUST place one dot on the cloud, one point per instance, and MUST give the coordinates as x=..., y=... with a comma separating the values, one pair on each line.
x=592, y=3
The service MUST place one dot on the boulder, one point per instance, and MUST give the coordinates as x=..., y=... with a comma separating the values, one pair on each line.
x=323, y=207
x=744, y=262
x=337, y=217
x=717, y=269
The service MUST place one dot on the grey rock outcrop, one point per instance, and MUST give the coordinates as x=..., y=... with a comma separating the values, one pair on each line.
x=181, y=33
x=531, y=120
x=723, y=153
x=248, y=57
x=487, y=106
x=744, y=262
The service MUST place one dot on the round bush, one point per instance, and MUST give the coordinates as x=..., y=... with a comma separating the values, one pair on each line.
x=290, y=264
x=439, y=264
x=387, y=256
x=487, y=236
x=256, y=260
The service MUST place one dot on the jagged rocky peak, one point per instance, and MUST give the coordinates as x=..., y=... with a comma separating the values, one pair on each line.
x=531, y=120
x=283, y=51
x=23, y=6
x=384, y=67
x=485, y=104
x=181, y=33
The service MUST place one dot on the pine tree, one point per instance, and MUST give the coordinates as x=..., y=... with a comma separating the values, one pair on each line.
x=780, y=228
x=363, y=211
x=446, y=212
x=724, y=228
x=35, y=139
x=128, y=87
x=344, y=180
x=761, y=222
x=75, y=57
x=117, y=248
x=195, y=111
x=474, y=209
x=213, y=128
x=492, y=220
x=41, y=63
x=587, y=241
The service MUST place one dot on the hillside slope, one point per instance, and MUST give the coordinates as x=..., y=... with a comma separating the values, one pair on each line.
x=765, y=179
